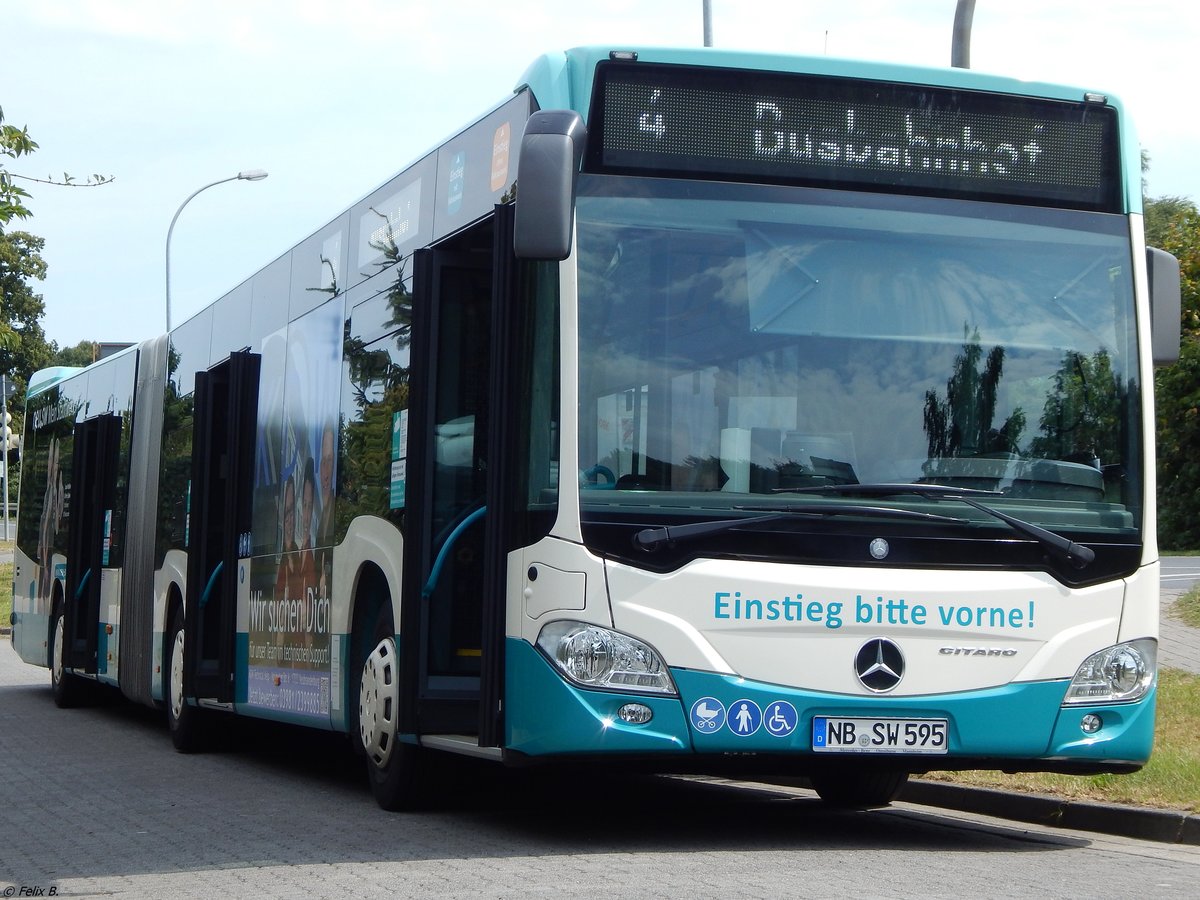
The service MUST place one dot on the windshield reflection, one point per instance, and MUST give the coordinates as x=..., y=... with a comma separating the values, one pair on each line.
x=738, y=340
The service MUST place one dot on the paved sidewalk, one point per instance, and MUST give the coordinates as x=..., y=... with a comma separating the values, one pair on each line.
x=1178, y=644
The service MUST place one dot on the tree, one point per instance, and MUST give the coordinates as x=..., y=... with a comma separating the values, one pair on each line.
x=23, y=345
x=82, y=354
x=21, y=309
x=14, y=142
x=1173, y=224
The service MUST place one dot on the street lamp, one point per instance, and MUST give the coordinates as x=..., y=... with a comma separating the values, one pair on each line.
x=248, y=175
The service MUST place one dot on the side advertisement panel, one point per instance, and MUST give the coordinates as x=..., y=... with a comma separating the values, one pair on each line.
x=291, y=580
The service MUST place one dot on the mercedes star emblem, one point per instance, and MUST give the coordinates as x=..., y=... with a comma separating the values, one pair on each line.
x=879, y=665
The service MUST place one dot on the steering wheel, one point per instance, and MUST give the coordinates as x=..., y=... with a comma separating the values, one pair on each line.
x=588, y=477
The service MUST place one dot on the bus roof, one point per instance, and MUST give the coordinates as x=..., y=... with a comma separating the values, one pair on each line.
x=44, y=379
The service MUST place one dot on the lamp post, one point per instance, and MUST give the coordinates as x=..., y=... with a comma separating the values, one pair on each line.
x=247, y=175
x=960, y=41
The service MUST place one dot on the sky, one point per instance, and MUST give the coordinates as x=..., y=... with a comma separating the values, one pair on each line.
x=333, y=97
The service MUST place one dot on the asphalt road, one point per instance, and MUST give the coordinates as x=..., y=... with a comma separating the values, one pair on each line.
x=94, y=802
x=1179, y=573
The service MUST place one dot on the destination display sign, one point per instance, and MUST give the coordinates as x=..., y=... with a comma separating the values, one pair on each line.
x=815, y=130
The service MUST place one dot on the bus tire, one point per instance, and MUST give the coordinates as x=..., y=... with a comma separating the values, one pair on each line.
x=395, y=769
x=67, y=689
x=183, y=720
x=847, y=789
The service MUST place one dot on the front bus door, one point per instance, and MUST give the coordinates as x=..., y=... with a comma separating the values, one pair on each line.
x=452, y=635
x=96, y=447
x=226, y=410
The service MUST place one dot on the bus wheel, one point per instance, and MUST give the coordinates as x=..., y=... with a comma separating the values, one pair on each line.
x=66, y=688
x=183, y=720
x=392, y=765
x=858, y=790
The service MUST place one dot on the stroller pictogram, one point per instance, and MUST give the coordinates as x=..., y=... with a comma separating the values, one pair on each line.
x=708, y=715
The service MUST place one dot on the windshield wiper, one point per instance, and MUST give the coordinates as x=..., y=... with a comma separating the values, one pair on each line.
x=653, y=538
x=1064, y=548
x=886, y=489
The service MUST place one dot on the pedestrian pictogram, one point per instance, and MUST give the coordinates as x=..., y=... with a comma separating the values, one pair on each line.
x=744, y=717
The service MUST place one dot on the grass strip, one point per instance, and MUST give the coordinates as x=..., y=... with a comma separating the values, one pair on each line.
x=1171, y=780
x=1187, y=607
x=6, y=572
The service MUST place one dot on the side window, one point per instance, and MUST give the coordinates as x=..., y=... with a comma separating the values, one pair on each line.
x=460, y=405
x=540, y=392
x=376, y=372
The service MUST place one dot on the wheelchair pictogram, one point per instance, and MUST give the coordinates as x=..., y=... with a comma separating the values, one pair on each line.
x=780, y=718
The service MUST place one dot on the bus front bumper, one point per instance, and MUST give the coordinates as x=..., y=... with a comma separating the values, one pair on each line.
x=1020, y=726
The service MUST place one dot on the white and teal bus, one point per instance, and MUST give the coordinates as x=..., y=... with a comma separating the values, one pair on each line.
x=690, y=410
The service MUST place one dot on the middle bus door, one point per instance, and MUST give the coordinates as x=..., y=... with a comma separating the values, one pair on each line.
x=454, y=583
x=226, y=411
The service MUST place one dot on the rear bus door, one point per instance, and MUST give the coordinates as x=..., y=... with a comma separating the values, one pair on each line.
x=96, y=448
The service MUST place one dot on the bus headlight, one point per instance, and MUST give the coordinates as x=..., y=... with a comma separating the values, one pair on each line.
x=597, y=657
x=1119, y=674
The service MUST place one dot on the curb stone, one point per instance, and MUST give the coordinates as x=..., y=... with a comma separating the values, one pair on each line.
x=1162, y=825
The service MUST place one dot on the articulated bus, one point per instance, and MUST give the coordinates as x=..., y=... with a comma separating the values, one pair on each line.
x=691, y=410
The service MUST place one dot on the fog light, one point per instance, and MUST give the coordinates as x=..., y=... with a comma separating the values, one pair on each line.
x=635, y=713
x=1091, y=723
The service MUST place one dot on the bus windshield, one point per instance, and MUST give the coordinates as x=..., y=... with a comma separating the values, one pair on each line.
x=743, y=344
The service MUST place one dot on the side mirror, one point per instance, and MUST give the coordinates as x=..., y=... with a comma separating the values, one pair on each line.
x=1162, y=270
x=547, y=169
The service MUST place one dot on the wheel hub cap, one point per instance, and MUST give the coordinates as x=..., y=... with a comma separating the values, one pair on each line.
x=58, y=650
x=378, y=701
x=177, y=676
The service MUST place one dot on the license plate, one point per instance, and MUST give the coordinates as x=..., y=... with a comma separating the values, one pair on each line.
x=846, y=735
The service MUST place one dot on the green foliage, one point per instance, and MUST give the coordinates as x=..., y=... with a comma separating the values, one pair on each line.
x=176, y=472
x=23, y=345
x=1187, y=607
x=6, y=572
x=1174, y=225
x=23, y=350
x=14, y=142
x=1177, y=408
x=82, y=354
